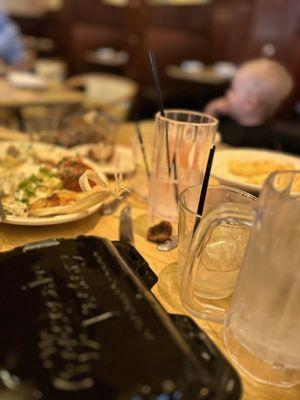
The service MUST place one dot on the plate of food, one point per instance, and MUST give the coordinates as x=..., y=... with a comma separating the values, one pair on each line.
x=42, y=184
x=73, y=129
x=109, y=157
x=248, y=168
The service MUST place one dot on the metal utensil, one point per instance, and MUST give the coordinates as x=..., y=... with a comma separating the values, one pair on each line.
x=2, y=212
x=169, y=244
x=110, y=208
x=126, y=229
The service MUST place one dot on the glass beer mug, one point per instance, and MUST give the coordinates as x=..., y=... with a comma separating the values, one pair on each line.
x=262, y=327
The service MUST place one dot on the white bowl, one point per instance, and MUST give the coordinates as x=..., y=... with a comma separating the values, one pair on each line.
x=110, y=55
x=51, y=70
x=191, y=65
x=225, y=69
x=26, y=80
x=106, y=53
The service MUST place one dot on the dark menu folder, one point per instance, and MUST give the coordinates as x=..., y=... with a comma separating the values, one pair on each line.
x=79, y=322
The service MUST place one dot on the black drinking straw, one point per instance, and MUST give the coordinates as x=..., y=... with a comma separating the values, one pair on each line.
x=142, y=147
x=204, y=186
x=160, y=101
x=162, y=112
x=156, y=81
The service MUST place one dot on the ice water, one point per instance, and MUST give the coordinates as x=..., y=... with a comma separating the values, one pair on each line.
x=269, y=327
x=180, y=151
x=164, y=193
x=262, y=330
x=219, y=264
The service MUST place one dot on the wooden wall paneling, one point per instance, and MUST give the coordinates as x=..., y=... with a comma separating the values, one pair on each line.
x=93, y=24
x=173, y=46
x=294, y=68
x=31, y=26
x=173, y=33
x=178, y=33
x=274, y=25
x=134, y=40
x=230, y=29
x=97, y=12
x=86, y=37
x=189, y=17
x=58, y=28
x=274, y=20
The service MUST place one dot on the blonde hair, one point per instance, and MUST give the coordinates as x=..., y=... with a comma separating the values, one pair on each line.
x=271, y=83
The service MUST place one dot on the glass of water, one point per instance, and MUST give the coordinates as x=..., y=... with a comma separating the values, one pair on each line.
x=216, y=268
x=180, y=151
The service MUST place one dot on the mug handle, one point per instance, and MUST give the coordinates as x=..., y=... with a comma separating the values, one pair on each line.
x=243, y=214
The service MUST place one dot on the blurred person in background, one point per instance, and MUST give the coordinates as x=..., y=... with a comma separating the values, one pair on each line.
x=245, y=112
x=11, y=47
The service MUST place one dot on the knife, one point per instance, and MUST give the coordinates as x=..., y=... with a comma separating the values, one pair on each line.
x=125, y=229
x=2, y=212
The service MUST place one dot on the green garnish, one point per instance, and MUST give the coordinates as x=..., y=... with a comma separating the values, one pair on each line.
x=44, y=179
x=47, y=172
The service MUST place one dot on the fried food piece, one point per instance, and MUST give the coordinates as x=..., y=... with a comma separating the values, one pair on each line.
x=70, y=170
x=160, y=233
x=61, y=198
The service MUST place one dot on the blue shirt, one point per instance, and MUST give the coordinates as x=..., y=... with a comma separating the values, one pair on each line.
x=11, y=47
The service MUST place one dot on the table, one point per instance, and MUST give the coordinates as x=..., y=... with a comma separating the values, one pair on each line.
x=164, y=264
x=15, y=99
x=117, y=59
x=206, y=76
x=11, y=96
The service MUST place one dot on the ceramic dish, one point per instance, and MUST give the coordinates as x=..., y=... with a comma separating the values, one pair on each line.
x=247, y=168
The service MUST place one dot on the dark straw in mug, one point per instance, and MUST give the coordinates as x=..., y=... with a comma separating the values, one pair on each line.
x=204, y=187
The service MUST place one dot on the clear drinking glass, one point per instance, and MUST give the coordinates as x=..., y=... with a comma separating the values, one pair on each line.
x=141, y=179
x=216, y=268
x=180, y=152
x=262, y=330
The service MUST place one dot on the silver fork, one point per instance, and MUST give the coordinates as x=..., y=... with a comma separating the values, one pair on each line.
x=110, y=208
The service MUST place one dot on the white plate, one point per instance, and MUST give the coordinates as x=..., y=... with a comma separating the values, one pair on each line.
x=225, y=69
x=26, y=80
x=54, y=153
x=53, y=220
x=122, y=159
x=110, y=55
x=192, y=66
x=220, y=169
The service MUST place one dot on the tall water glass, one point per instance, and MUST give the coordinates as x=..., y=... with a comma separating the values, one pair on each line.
x=180, y=152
